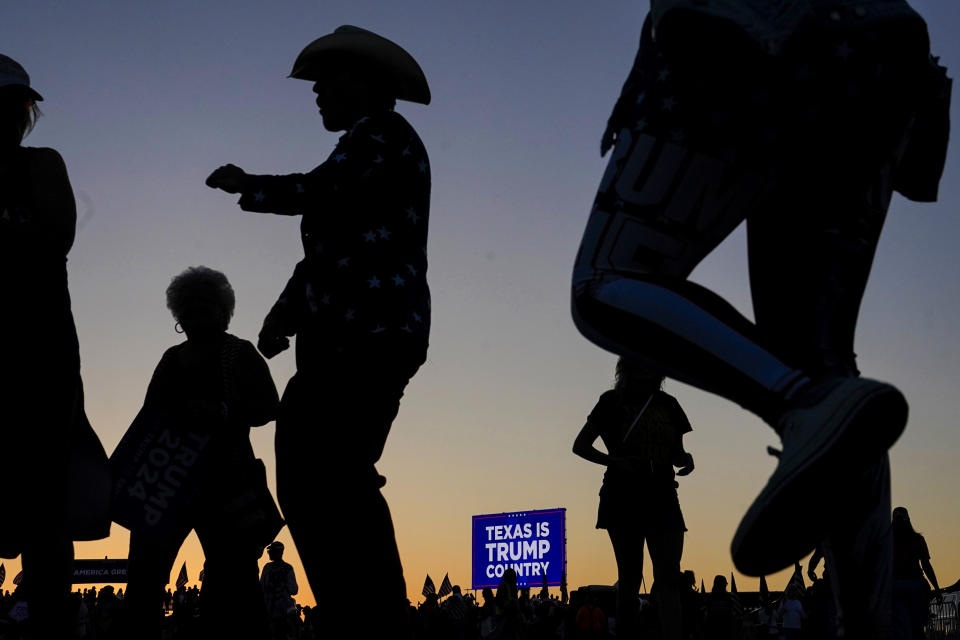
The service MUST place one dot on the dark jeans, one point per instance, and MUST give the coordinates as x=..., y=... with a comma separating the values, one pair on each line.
x=231, y=585
x=332, y=428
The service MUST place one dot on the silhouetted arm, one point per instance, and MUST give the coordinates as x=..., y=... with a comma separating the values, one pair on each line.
x=583, y=444
x=256, y=402
x=161, y=389
x=52, y=195
x=931, y=576
x=681, y=424
x=357, y=156
x=603, y=414
x=292, y=587
x=282, y=195
x=288, y=312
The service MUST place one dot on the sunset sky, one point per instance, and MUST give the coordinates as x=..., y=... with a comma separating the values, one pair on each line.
x=144, y=99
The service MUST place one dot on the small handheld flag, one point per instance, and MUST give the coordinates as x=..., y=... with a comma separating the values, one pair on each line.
x=3, y=574
x=182, y=578
x=445, y=586
x=18, y=578
x=428, y=587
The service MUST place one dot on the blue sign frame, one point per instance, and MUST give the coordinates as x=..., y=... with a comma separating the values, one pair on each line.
x=533, y=543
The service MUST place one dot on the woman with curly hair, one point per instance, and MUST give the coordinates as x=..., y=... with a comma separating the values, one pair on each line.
x=208, y=391
x=43, y=427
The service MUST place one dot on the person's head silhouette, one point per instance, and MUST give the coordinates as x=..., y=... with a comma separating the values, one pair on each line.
x=901, y=525
x=18, y=103
x=202, y=302
x=275, y=551
x=631, y=378
x=357, y=73
x=719, y=585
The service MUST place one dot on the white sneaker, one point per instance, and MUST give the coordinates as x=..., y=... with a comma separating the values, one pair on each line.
x=831, y=434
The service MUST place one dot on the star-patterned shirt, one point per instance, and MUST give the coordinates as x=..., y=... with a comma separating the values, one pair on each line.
x=362, y=283
x=693, y=88
x=771, y=24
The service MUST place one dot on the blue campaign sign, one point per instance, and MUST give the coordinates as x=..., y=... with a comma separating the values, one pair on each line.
x=532, y=543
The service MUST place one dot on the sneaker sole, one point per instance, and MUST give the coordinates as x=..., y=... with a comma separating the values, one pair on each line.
x=791, y=515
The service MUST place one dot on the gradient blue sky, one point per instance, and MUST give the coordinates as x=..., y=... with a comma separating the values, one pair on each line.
x=144, y=99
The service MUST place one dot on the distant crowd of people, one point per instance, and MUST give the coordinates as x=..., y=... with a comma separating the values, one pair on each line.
x=507, y=613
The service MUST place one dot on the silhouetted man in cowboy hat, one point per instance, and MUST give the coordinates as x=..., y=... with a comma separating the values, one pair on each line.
x=359, y=305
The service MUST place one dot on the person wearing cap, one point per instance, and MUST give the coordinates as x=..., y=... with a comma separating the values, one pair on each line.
x=358, y=303
x=279, y=585
x=43, y=426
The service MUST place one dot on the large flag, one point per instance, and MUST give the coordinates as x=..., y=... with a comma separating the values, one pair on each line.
x=445, y=586
x=428, y=587
x=182, y=578
x=18, y=578
x=3, y=574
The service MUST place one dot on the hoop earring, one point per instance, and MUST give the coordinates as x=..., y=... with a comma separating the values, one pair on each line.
x=178, y=328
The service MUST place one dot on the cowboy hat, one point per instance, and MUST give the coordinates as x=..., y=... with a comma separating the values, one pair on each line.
x=407, y=76
x=13, y=74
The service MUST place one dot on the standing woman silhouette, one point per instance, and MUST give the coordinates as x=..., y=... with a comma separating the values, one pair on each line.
x=217, y=384
x=40, y=388
x=642, y=429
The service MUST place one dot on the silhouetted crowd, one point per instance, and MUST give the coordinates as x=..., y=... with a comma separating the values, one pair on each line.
x=507, y=613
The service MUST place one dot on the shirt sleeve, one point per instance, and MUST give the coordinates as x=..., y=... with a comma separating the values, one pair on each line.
x=257, y=401
x=292, y=587
x=287, y=314
x=50, y=221
x=605, y=412
x=162, y=389
x=677, y=415
x=356, y=158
